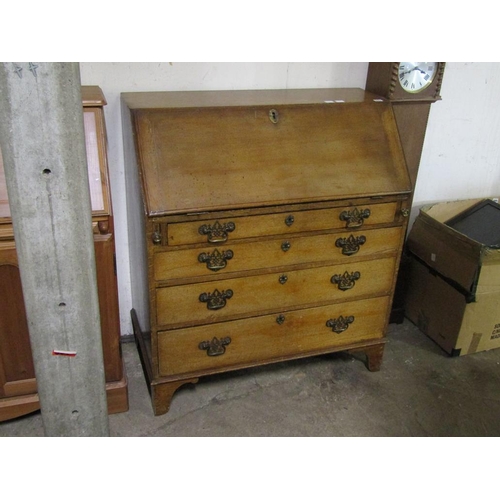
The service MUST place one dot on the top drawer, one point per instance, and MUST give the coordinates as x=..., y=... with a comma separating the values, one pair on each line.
x=217, y=231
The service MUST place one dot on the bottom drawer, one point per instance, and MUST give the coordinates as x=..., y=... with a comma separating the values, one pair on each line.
x=218, y=346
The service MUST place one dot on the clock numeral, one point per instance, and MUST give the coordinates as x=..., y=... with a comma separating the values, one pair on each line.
x=402, y=67
x=412, y=85
x=426, y=77
x=401, y=76
x=406, y=82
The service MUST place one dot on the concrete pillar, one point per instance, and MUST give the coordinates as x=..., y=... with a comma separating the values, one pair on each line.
x=42, y=141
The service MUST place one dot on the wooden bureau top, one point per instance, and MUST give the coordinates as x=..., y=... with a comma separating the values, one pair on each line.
x=218, y=150
x=224, y=98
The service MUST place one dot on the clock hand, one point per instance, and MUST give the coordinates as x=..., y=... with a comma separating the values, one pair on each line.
x=410, y=70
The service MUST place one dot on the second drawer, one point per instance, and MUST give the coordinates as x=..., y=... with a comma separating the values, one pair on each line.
x=241, y=257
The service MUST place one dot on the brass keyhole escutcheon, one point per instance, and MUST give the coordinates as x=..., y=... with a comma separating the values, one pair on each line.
x=283, y=279
x=285, y=246
x=273, y=116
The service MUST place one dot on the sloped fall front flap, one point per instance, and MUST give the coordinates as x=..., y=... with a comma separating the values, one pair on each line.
x=277, y=147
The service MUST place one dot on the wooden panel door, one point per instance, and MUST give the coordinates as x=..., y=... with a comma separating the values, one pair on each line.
x=17, y=374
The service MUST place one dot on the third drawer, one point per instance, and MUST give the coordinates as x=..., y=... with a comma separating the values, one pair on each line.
x=217, y=300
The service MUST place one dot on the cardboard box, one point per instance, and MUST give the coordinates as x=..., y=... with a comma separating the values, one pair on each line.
x=454, y=282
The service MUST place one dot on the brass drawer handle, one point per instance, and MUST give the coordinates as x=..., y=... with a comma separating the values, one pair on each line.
x=215, y=347
x=285, y=246
x=283, y=279
x=216, y=260
x=280, y=319
x=345, y=281
x=350, y=245
x=340, y=324
x=216, y=300
x=354, y=218
x=289, y=220
x=218, y=232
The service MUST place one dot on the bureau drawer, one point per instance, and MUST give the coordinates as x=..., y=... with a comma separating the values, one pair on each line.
x=216, y=300
x=270, y=337
x=274, y=253
x=218, y=231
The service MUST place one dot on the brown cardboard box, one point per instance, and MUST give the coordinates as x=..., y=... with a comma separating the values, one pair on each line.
x=454, y=285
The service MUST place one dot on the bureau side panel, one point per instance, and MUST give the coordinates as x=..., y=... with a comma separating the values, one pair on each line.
x=136, y=224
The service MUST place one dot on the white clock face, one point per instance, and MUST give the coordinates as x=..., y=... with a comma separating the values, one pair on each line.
x=416, y=76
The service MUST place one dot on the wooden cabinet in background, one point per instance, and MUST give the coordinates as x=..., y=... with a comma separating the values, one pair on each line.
x=264, y=226
x=18, y=391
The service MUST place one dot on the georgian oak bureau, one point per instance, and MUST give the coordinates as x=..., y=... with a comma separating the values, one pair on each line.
x=263, y=226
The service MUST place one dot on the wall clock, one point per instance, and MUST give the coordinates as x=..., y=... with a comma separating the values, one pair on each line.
x=406, y=81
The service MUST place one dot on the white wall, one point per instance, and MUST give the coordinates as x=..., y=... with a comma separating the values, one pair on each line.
x=461, y=156
x=461, y=151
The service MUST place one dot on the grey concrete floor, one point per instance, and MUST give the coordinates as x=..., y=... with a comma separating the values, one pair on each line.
x=419, y=391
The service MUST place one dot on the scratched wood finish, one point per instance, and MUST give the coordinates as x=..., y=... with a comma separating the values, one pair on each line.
x=279, y=167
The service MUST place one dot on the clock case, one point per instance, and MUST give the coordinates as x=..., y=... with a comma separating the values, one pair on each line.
x=411, y=112
x=383, y=79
